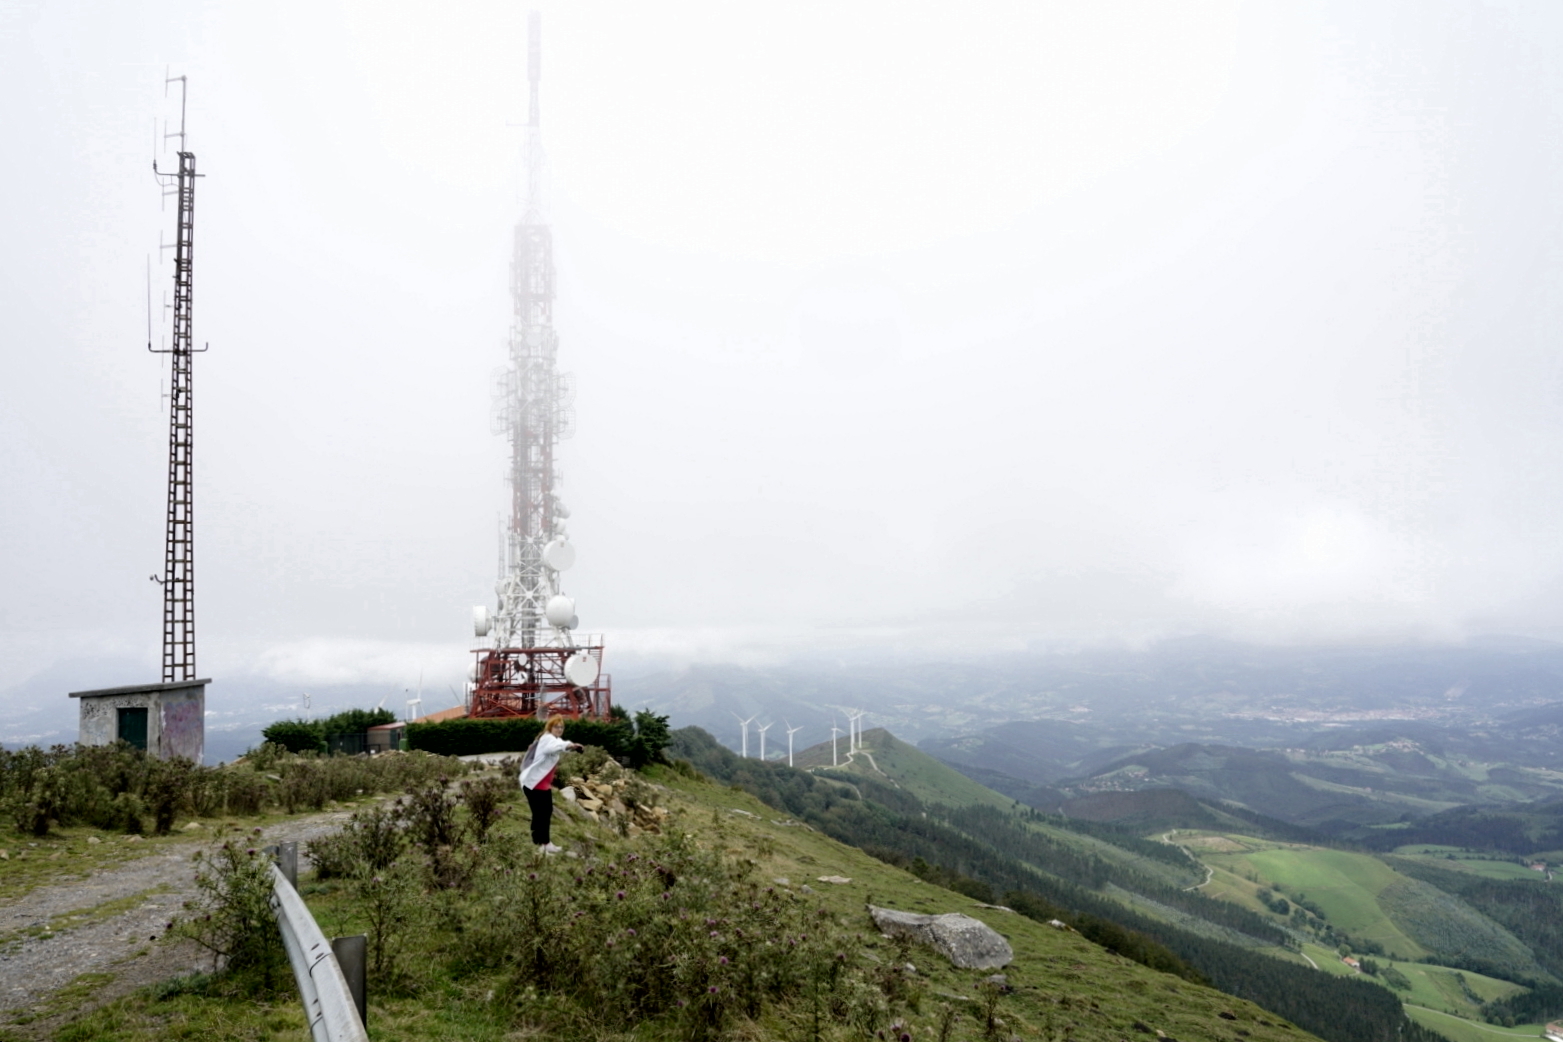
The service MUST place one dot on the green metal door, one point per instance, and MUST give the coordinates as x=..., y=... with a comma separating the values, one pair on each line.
x=133, y=727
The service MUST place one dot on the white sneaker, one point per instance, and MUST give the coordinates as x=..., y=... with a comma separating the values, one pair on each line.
x=549, y=848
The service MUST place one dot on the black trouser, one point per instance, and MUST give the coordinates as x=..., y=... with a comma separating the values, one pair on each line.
x=542, y=803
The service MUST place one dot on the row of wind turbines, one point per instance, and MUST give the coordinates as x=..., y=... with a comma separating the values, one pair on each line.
x=854, y=733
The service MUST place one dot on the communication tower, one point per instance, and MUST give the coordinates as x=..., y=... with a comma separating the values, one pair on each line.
x=535, y=664
x=178, y=580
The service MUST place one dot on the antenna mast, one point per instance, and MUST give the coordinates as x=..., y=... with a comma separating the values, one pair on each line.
x=536, y=664
x=178, y=579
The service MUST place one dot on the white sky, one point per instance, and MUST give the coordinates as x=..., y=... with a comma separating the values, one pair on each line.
x=894, y=325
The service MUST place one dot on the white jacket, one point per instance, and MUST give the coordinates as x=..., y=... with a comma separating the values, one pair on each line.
x=542, y=758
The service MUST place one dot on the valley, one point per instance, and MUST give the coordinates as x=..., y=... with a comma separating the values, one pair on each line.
x=1421, y=923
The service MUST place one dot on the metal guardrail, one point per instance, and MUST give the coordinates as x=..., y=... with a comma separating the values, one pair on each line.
x=328, y=1002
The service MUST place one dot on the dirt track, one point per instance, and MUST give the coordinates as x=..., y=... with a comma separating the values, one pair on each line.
x=141, y=896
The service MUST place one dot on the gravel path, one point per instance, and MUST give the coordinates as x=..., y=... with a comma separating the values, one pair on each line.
x=33, y=967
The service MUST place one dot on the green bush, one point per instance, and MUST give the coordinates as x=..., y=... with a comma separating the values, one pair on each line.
x=663, y=930
x=120, y=787
x=468, y=737
x=299, y=736
x=231, y=915
x=168, y=789
x=636, y=743
x=296, y=736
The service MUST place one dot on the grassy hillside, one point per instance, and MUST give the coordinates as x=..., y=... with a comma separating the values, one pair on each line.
x=1059, y=984
x=990, y=854
x=886, y=758
x=1380, y=910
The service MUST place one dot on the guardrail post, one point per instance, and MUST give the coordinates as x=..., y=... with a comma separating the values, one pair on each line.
x=352, y=955
x=286, y=857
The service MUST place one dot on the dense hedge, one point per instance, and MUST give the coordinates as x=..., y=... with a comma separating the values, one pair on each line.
x=303, y=736
x=636, y=743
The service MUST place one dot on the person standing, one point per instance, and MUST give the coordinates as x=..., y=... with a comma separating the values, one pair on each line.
x=537, y=778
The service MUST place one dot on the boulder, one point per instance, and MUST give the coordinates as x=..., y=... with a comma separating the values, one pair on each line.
x=968, y=943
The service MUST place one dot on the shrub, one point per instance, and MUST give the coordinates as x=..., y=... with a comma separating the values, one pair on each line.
x=370, y=840
x=296, y=736
x=1394, y=978
x=485, y=800
x=432, y=824
x=636, y=743
x=168, y=788
x=662, y=930
x=231, y=915
x=468, y=737
x=302, y=736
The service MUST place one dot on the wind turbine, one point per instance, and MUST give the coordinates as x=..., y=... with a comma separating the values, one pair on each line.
x=745, y=724
x=855, y=733
x=790, y=732
x=834, y=731
x=762, y=731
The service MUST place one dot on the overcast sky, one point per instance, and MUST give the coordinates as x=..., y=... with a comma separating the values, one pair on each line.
x=894, y=325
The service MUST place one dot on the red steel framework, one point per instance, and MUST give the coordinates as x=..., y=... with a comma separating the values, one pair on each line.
x=532, y=682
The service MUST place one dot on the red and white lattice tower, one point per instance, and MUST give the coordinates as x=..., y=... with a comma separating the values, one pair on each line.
x=535, y=663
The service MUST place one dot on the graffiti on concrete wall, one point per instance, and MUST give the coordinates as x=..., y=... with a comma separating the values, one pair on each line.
x=184, y=727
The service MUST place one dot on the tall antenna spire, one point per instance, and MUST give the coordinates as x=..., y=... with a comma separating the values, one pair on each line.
x=178, y=579
x=534, y=120
x=536, y=664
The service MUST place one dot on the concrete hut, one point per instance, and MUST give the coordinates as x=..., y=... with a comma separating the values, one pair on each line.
x=166, y=720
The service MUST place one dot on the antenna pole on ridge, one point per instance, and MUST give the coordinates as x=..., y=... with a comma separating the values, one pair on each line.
x=178, y=580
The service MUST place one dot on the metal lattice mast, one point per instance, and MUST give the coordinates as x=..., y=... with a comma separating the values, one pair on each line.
x=534, y=404
x=535, y=664
x=179, y=548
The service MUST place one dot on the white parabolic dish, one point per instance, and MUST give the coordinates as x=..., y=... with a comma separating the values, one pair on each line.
x=559, y=554
x=560, y=611
x=480, y=621
x=580, y=669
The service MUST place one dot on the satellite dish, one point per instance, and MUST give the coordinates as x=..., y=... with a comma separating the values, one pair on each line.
x=580, y=669
x=480, y=622
x=575, y=622
x=560, y=510
x=559, y=554
x=560, y=611
x=472, y=671
x=534, y=337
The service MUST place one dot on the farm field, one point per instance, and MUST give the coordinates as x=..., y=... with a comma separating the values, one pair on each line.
x=1433, y=988
x=1457, y=1030
x=1344, y=885
x=1487, y=868
x=1367, y=899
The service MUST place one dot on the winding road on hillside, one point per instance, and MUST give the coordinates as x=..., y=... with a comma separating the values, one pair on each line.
x=107, y=924
x=1210, y=873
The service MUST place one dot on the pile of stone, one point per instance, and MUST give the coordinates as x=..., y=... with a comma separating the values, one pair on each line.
x=608, y=801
